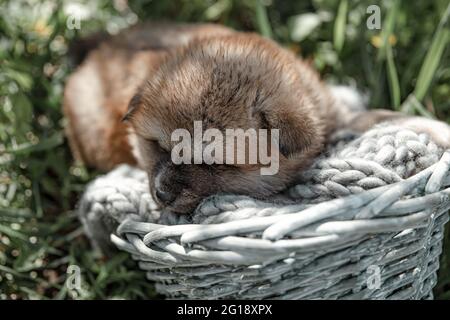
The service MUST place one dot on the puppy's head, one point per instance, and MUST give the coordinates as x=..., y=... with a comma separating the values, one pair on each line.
x=239, y=81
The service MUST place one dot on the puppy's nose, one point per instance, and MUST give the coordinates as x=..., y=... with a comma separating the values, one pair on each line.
x=164, y=196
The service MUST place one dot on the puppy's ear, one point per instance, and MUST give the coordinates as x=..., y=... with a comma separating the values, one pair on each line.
x=132, y=107
x=298, y=132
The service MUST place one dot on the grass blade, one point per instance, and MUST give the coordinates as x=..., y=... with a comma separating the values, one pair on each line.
x=431, y=62
x=412, y=105
x=262, y=21
x=12, y=233
x=394, y=84
x=51, y=142
x=388, y=29
x=339, y=25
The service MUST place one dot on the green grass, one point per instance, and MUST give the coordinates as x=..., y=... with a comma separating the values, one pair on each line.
x=404, y=66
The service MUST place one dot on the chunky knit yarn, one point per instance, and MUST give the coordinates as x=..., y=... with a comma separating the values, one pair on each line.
x=374, y=202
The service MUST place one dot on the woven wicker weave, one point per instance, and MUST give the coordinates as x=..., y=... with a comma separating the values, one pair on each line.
x=367, y=223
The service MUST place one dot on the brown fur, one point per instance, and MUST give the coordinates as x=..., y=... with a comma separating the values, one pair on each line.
x=230, y=80
x=173, y=75
x=97, y=94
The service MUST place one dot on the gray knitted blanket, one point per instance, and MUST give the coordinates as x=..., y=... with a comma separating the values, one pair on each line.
x=382, y=156
x=365, y=221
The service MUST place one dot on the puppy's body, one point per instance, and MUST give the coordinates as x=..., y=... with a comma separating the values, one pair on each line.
x=165, y=77
x=97, y=95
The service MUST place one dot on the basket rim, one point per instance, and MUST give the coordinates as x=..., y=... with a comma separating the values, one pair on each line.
x=375, y=211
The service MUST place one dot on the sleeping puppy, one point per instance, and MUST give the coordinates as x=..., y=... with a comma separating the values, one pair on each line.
x=135, y=89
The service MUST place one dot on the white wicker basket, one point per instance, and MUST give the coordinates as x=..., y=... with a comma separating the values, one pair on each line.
x=367, y=223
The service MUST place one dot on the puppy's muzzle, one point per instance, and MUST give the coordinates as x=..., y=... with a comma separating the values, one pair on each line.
x=165, y=197
x=164, y=190
x=167, y=183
